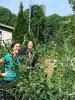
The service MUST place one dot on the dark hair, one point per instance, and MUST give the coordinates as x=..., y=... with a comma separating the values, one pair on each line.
x=12, y=45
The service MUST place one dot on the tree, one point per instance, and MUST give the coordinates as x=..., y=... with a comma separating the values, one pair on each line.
x=26, y=17
x=72, y=3
x=6, y=17
x=37, y=17
x=37, y=21
x=19, y=30
x=51, y=29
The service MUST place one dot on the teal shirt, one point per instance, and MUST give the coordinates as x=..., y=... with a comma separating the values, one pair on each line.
x=10, y=67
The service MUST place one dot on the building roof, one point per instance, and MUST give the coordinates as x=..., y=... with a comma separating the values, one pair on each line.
x=6, y=26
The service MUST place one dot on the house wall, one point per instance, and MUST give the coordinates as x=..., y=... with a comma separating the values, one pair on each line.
x=6, y=36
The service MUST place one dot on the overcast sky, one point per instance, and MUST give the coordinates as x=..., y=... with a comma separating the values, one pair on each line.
x=60, y=7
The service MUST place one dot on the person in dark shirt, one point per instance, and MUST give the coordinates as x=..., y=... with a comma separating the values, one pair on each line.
x=31, y=54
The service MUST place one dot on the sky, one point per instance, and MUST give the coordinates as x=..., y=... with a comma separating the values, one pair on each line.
x=60, y=7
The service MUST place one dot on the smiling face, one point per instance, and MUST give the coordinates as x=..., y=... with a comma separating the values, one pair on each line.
x=30, y=45
x=16, y=48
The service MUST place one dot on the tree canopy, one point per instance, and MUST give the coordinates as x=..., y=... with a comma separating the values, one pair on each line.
x=19, y=30
x=6, y=16
x=72, y=3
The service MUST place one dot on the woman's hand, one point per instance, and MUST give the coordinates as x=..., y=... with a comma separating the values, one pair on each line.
x=5, y=74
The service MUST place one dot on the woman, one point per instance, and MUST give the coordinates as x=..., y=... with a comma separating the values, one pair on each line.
x=31, y=54
x=10, y=61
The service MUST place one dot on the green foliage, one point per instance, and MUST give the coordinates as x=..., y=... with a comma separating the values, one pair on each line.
x=32, y=83
x=6, y=17
x=37, y=16
x=26, y=17
x=52, y=24
x=72, y=3
x=37, y=21
x=19, y=30
x=63, y=79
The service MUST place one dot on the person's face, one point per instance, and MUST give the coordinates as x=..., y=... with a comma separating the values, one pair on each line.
x=30, y=45
x=16, y=48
